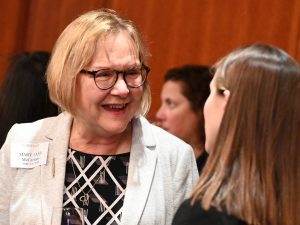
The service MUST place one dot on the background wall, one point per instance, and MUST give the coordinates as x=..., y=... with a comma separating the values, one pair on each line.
x=177, y=32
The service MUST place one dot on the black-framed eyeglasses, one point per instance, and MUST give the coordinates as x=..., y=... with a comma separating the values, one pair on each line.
x=106, y=78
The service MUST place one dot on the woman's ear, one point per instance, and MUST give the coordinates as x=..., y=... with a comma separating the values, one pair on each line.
x=226, y=94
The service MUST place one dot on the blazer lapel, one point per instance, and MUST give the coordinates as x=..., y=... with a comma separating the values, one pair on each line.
x=141, y=170
x=142, y=165
x=53, y=173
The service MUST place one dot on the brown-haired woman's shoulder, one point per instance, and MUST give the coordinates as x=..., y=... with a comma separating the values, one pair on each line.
x=188, y=214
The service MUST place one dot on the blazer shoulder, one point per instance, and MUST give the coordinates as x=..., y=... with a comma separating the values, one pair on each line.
x=166, y=144
x=162, y=135
x=29, y=131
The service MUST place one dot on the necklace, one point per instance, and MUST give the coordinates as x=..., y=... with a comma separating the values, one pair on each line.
x=101, y=179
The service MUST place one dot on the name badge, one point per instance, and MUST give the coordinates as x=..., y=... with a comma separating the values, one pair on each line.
x=28, y=155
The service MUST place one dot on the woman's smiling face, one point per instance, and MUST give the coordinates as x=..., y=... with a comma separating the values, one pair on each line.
x=109, y=112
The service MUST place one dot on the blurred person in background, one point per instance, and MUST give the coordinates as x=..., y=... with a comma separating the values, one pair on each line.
x=24, y=94
x=183, y=95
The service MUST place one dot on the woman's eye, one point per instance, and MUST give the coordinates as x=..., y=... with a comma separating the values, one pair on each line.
x=171, y=104
x=105, y=73
x=133, y=72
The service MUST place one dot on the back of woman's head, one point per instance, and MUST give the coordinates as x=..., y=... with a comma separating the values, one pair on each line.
x=24, y=93
x=255, y=161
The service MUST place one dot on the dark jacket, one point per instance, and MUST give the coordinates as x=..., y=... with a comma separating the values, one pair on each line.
x=195, y=215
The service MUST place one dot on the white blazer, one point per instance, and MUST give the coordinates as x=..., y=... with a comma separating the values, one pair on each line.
x=162, y=173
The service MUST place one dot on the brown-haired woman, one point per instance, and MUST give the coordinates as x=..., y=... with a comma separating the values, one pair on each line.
x=252, y=126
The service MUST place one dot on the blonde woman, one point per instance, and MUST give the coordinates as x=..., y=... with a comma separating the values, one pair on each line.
x=100, y=154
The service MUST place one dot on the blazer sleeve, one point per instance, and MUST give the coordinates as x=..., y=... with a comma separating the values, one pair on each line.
x=7, y=175
x=186, y=175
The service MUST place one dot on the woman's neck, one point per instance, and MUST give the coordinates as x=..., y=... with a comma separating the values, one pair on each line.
x=196, y=144
x=198, y=151
x=89, y=141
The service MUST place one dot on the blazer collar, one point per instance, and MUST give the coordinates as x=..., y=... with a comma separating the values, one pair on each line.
x=53, y=173
x=143, y=159
x=143, y=133
x=60, y=128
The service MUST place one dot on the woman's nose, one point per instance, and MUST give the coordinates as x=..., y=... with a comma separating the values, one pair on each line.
x=159, y=114
x=120, y=88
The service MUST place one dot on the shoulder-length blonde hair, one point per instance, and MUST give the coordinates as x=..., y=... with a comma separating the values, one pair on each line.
x=75, y=48
x=253, y=170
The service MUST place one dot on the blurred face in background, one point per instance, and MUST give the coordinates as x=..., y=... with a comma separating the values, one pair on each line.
x=175, y=114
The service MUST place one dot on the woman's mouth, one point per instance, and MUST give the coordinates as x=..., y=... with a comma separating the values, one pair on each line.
x=115, y=107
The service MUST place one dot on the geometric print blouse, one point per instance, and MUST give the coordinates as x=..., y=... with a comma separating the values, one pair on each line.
x=96, y=183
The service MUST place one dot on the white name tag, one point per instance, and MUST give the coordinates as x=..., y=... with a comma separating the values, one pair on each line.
x=28, y=155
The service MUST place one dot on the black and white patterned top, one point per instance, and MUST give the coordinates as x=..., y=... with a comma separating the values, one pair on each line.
x=97, y=184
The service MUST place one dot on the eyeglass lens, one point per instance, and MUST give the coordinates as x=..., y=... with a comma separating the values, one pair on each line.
x=106, y=78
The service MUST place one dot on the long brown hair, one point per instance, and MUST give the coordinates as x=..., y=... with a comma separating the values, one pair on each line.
x=253, y=172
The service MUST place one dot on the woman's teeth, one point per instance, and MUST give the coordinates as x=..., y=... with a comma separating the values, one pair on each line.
x=118, y=107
